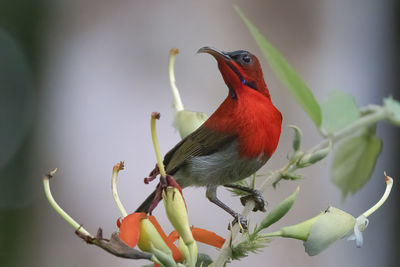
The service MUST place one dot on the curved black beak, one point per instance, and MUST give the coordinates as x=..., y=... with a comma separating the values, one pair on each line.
x=214, y=52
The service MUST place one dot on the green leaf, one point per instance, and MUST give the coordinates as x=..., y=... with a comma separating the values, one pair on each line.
x=354, y=162
x=338, y=111
x=203, y=260
x=285, y=72
x=393, y=108
x=279, y=211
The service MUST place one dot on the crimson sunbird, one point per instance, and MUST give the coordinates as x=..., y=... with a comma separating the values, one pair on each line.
x=234, y=142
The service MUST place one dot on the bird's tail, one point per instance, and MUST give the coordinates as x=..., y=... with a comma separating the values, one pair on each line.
x=144, y=207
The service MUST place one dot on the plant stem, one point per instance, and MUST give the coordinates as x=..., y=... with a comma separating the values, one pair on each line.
x=379, y=113
x=58, y=209
x=273, y=234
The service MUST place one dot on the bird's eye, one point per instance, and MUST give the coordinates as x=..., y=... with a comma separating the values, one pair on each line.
x=246, y=59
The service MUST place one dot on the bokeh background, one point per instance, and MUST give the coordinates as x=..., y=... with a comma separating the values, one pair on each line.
x=79, y=79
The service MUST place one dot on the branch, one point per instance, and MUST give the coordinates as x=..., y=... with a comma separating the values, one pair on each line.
x=114, y=245
x=378, y=113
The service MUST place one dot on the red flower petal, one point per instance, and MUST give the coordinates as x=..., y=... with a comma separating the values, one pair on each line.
x=201, y=235
x=176, y=254
x=207, y=237
x=173, y=236
x=129, y=228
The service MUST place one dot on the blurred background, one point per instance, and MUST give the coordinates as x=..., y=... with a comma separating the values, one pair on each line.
x=79, y=79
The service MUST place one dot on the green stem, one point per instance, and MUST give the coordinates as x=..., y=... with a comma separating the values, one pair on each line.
x=58, y=209
x=178, y=105
x=154, y=117
x=273, y=234
x=369, y=119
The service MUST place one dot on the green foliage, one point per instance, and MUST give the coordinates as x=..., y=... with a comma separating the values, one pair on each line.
x=285, y=72
x=203, y=260
x=278, y=212
x=338, y=111
x=252, y=243
x=354, y=161
x=393, y=107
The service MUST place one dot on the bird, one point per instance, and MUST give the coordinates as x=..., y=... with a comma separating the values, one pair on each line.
x=234, y=142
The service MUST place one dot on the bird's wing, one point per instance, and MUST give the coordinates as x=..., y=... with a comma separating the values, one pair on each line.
x=201, y=142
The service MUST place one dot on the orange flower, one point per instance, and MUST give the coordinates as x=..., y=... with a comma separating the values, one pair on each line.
x=144, y=231
x=129, y=228
x=200, y=235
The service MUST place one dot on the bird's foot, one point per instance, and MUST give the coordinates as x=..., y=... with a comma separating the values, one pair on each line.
x=258, y=199
x=242, y=221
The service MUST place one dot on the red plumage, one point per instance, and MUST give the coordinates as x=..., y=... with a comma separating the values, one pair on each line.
x=237, y=139
x=251, y=114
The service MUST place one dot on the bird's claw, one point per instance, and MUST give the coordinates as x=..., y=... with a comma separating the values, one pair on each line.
x=242, y=221
x=258, y=200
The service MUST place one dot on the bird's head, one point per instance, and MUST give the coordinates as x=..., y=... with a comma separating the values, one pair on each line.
x=240, y=69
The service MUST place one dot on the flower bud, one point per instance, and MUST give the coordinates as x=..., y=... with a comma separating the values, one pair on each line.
x=311, y=158
x=183, y=249
x=332, y=225
x=187, y=121
x=175, y=208
x=149, y=237
x=296, y=144
x=321, y=231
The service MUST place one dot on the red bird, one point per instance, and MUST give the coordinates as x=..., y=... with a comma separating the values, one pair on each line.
x=236, y=141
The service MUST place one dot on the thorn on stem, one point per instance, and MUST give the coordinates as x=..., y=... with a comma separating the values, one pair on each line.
x=99, y=234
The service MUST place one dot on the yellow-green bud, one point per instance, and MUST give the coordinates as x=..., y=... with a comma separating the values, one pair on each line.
x=149, y=237
x=175, y=208
x=187, y=121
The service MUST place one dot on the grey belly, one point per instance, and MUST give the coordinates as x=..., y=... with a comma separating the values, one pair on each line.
x=220, y=168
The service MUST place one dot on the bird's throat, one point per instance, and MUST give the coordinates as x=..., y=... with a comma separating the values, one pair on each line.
x=253, y=119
